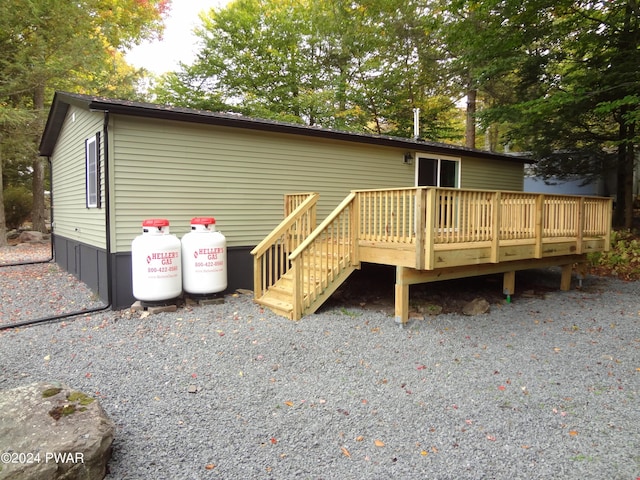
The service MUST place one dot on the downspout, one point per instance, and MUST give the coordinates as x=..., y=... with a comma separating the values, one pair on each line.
x=105, y=132
x=107, y=208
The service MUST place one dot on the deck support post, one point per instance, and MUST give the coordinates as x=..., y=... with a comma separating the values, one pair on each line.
x=581, y=272
x=509, y=283
x=565, y=279
x=401, y=297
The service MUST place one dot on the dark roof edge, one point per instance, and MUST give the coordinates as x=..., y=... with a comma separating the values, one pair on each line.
x=62, y=100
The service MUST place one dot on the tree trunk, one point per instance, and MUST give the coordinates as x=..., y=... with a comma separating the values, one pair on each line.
x=628, y=180
x=623, y=213
x=38, y=218
x=3, y=220
x=470, y=129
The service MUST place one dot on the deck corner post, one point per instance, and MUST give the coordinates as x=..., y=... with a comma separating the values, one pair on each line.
x=539, y=226
x=495, y=228
x=429, y=229
x=401, y=297
x=421, y=227
x=355, y=229
x=580, y=220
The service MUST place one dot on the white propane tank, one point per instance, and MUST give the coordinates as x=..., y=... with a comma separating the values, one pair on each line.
x=156, y=266
x=204, y=258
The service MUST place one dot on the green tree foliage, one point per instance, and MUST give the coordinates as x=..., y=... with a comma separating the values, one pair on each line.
x=57, y=44
x=360, y=66
x=17, y=205
x=577, y=82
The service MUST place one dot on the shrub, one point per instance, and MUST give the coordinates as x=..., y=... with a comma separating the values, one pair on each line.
x=18, y=202
x=622, y=260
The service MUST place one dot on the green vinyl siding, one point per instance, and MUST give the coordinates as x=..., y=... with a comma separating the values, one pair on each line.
x=178, y=171
x=72, y=219
x=489, y=174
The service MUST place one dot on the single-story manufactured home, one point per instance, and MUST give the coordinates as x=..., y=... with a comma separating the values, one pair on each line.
x=115, y=163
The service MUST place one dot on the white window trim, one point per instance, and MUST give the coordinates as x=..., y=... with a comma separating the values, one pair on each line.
x=92, y=171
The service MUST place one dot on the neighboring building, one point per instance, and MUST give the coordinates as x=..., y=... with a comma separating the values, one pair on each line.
x=116, y=163
x=563, y=187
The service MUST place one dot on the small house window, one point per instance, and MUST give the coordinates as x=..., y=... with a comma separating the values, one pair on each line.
x=438, y=172
x=92, y=169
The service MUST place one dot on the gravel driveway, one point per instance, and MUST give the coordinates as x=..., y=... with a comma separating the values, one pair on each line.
x=545, y=387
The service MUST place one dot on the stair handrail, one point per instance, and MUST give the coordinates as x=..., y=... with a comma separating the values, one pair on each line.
x=300, y=303
x=320, y=228
x=307, y=206
x=285, y=224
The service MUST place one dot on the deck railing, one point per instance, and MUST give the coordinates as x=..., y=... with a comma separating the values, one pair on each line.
x=460, y=216
x=387, y=215
x=271, y=255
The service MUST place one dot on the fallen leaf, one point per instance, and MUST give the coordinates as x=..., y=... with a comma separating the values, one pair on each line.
x=345, y=452
x=573, y=433
x=378, y=443
x=359, y=438
x=424, y=452
x=210, y=466
x=491, y=438
x=502, y=388
x=273, y=441
x=289, y=404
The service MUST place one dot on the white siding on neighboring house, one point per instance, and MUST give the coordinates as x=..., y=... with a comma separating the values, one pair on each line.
x=72, y=219
x=180, y=170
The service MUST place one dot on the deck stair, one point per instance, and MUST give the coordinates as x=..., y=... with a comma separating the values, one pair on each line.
x=298, y=267
x=428, y=234
x=321, y=277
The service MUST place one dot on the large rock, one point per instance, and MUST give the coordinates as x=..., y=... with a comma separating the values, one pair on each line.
x=51, y=432
x=29, y=236
x=477, y=306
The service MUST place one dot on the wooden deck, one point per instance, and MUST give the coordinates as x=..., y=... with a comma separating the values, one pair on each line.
x=429, y=234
